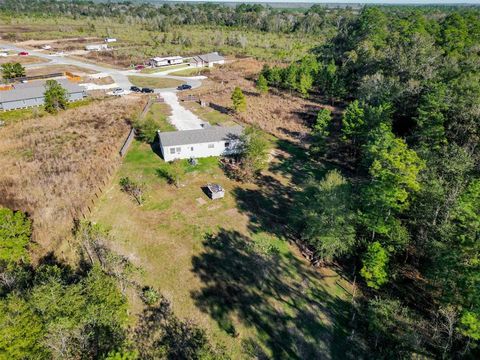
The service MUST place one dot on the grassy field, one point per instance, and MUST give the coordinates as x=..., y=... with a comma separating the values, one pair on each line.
x=157, y=83
x=50, y=69
x=159, y=113
x=190, y=72
x=162, y=68
x=222, y=263
x=138, y=42
x=24, y=60
x=35, y=112
x=214, y=117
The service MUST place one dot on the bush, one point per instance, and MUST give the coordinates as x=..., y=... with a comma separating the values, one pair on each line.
x=150, y=296
x=146, y=129
x=132, y=188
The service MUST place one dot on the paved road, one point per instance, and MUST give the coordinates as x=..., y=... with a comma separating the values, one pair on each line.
x=181, y=118
x=119, y=76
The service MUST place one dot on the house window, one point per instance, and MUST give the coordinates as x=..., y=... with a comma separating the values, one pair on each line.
x=178, y=150
x=227, y=144
x=172, y=150
x=211, y=146
x=191, y=149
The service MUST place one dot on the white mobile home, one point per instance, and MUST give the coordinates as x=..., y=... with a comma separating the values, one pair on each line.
x=32, y=94
x=164, y=61
x=199, y=143
x=207, y=60
x=96, y=47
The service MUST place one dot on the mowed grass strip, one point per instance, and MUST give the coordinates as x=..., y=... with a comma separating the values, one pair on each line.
x=159, y=113
x=154, y=83
x=213, y=116
x=162, y=68
x=220, y=264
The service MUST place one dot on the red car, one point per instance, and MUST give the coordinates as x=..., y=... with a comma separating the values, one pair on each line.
x=23, y=53
x=139, y=67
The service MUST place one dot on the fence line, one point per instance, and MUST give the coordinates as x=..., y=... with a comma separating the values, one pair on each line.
x=127, y=142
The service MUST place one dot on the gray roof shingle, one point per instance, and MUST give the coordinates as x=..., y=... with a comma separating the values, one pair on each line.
x=35, y=89
x=211, y=57
x=199, y=136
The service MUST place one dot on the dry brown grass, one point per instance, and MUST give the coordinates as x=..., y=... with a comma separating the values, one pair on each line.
x=52, y=167
x=50, y=69
x=21, y=59
x=284, y=115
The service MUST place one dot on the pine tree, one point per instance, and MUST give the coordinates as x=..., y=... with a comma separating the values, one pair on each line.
x=239, y=101
x=56, y=97
x=262, y=85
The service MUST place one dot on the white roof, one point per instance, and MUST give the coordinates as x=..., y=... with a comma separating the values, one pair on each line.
x=167, y=58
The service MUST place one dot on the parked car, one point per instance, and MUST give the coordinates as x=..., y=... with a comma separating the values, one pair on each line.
x=147, y=90
x=135, y=89
x=139, y=67
x=23, y=53
x=184, y=87
x=118, y=91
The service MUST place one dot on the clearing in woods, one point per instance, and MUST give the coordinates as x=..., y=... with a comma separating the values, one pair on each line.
x=226, y=264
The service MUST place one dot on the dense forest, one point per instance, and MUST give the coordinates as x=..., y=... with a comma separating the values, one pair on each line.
x=398, y=206
x=404, y=204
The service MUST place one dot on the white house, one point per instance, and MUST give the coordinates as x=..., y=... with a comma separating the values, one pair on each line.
x=207, y=60
x=164, y=61
x=3, y=53
x=199, y=143
x=96, y=47
x=110, y=40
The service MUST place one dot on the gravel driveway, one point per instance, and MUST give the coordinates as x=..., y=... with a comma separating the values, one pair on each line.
x=181, y=118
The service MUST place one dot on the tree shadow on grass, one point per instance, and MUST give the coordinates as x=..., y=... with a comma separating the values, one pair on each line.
x=272, y=291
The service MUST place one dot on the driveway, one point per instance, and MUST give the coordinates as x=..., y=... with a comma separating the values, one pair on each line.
x=181, y=118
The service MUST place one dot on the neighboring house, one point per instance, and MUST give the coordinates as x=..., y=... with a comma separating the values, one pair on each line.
x=3, y=54
x=110, y=40
x=96, y=47
x=31, y=94
x=164, y=61
x=210, y=141
x=207, y=60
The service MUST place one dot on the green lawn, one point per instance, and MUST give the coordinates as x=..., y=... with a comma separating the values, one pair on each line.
x=156, y=83
x=223, y=263
x=159, y=112
x=214, y=117
x=162, y=68
x=25, y=114
x=191, y=72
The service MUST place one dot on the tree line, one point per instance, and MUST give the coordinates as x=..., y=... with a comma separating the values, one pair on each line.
x=400, y=205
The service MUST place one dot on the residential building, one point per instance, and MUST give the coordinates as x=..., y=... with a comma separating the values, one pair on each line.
x=164, y=61
x=32, y=94
x=207, y=60
x=96, y=47
x=199, y=143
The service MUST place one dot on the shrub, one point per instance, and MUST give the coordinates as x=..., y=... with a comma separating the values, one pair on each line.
x=132, y=188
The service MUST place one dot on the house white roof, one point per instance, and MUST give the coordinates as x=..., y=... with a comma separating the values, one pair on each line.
x=167, y=58
x=199, y=136
x=211, y=57
x=35, y=89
